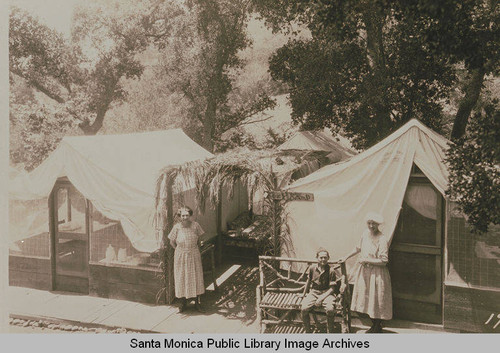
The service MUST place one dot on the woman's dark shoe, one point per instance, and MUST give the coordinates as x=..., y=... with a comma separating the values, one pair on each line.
x=197, y=305
x=183, y=306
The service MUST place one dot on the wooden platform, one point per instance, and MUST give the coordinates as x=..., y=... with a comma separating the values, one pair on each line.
x=229, y=310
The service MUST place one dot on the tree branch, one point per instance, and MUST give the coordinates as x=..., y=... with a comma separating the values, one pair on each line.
x=102, y=108
x=74, y=114
x=39, y=86
x=253, y=122
x=157, y=36
x=472, y=90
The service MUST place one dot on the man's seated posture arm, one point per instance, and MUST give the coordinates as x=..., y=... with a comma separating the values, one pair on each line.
x=322, y=289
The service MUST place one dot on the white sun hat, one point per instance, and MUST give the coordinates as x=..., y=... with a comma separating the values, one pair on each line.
x=375, y=217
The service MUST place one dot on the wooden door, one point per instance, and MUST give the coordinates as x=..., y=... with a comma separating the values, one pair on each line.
x=71, y=241
x=415, y=260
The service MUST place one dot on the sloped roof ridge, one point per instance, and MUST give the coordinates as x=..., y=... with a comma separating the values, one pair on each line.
x=101, y=169
x=433, y=135
x=335, y=168
x=142, y=133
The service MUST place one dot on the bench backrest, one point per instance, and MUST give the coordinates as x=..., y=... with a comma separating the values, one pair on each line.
x=274, y=277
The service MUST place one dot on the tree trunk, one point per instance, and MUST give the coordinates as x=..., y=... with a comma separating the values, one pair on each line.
x=209, y=123
x=374, y=20
x=472, y=90
x=169, y=250
x=102, y=108
x=374, y=23
x=92, y=129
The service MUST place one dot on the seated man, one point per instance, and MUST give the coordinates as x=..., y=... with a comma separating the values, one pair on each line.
x=323, y=284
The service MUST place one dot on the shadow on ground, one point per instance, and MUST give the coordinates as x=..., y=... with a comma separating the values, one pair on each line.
x=235, y=298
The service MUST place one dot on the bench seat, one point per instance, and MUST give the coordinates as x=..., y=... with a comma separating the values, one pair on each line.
x=290, y=301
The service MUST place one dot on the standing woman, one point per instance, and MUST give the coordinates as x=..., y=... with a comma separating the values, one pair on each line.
x=188, y=271
x=372, y=294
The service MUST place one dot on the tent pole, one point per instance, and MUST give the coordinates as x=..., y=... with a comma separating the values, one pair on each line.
x=169, y=250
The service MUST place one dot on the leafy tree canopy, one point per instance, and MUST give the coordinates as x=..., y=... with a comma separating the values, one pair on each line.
x=74, y=81
x=371, y=65
x=200, y=63
x=82, y=73
x=474, y=162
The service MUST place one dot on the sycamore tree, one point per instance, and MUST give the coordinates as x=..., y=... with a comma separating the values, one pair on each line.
x=76, y=80
x=200, y=63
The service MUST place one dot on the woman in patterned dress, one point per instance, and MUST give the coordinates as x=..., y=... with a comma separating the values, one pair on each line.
x=372, y=294
x=188, y=271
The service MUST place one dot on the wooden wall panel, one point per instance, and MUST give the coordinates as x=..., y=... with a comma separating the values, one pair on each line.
x=125, y=283
x=30, y=272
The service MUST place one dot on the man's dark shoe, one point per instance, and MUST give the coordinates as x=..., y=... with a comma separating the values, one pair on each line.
x=371, y=329
x=199, y=308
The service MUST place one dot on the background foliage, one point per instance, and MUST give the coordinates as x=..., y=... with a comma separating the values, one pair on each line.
x=359, y=67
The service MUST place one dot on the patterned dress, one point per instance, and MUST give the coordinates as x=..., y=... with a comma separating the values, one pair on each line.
x=188, y=271
x=372, y=292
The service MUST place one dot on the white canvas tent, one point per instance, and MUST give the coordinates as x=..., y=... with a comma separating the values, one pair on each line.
x=117, y=173
x=314, y=141
x=317, y=141
x=375, y=180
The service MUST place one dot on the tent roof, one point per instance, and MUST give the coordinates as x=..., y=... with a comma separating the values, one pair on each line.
x=439, y=144
x=313, y=140
x=317, y=141
x=132, y=159
x=137, y=158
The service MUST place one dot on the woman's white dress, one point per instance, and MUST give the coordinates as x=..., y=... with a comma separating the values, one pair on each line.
x=188, y=271
x=372, y=293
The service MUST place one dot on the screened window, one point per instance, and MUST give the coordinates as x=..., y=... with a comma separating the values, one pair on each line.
x=110, y=246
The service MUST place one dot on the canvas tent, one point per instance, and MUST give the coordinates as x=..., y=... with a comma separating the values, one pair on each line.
x=439, y=271
x=375, y=180
x=318, y=141
x=116, y=173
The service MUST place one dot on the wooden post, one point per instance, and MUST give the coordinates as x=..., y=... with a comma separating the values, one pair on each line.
x=218, y=216
x=169, y=250
x=52, y=231
x=259, y=313
x=68, y=204
x=212, y=260
x=277, y=227
x=276, y=196
x=88, y=229
x=260, y=291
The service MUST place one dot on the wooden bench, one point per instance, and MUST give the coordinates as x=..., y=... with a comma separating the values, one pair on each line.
x=280, y=294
